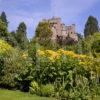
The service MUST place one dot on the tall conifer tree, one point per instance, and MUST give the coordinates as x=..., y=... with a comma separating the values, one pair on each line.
x=91, y=26
x=4, y=18
x=21, y=36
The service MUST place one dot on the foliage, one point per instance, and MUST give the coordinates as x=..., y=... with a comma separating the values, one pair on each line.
x=43, y=34
x=91, y=45
x=47, y=70
x=47, y=90
x=24, y=78
x=5, y=48
x=91, y=26
x=21, y=36
x=4, y=18
x=70, y=72
x=43, y=30
x=14, y=63
x=34, y=88
x=3, y=29
x=96, y=48
x=1, y=64
x=4, y=34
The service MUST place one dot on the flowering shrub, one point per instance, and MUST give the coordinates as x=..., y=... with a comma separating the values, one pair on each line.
x=54, y=55
x=12, y=63
x=67, y=70
x=5, y=48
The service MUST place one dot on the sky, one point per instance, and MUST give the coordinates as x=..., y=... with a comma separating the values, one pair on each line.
x=33, y=11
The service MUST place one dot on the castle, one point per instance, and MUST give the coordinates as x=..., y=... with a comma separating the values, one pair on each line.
x=61, y=30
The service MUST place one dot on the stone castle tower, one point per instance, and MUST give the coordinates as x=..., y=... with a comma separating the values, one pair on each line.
x=60, y=29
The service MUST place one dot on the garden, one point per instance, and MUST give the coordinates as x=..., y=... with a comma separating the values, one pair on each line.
x=41, y=69
x=48, y=73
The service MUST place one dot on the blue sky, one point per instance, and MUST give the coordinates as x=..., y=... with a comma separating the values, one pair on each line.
x=33, y=11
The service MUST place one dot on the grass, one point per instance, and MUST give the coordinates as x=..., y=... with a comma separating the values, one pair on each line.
x=17, y=95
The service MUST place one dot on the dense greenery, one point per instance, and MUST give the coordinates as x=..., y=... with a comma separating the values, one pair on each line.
x=91, y=45
x=43, y=34
x=21, y=36
x=47, y=68
x=73, y=74
x=3, y=17
x=14, y=63
x=3, y=29
x=91, y=26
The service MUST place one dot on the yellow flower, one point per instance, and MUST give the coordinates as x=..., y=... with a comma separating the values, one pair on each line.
x=49, y=52
x=52, y=55
x=25, y=55
x=60, y=51
x=82, y=63
x=69, y=53
x=40, y=53
x=5, y=47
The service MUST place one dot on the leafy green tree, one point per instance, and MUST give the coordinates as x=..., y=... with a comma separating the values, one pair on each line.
x=43, y=34
x=21, y=36
x=91, y=45
x=12, y=40
x=91, y=26
x=79, y=44
x=3, y=29
x=13, y=33
x=96, y=46
x=4, y=18
x=4, y=34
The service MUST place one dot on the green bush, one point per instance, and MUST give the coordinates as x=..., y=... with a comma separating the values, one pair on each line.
x=47, y=90
x=1, y=64
x=34, y=88
x=91, y=45
x=13, y=63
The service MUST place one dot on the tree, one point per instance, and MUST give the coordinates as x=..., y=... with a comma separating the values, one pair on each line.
x=91, y=26
x=79, y=43
x=43, y=34
x=4, y=18
x=11, y=39
x=21, y=36
x=96, y=48
x=91, y=45
x=3, y=29
x=4, y=34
